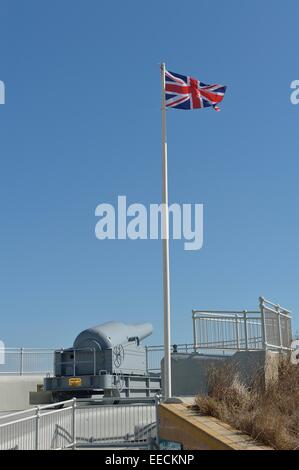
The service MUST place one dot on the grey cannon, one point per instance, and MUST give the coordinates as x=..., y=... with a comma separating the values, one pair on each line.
x=107, y=359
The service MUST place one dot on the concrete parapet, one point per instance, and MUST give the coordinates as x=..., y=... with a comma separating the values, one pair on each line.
x=190, y=372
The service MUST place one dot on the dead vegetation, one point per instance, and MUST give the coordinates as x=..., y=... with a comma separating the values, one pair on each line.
x=268, y=414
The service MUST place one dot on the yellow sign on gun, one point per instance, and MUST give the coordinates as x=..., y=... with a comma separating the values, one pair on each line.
x=75, y=382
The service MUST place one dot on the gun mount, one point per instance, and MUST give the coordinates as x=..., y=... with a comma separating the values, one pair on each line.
x=106, y=359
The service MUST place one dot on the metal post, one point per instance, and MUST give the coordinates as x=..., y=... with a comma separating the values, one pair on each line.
x=74, y=407
x=245, y=329
x=263, y=323
x=157, y=403
x=21, y=361
x=146, y=359
x=165, y=237
x=194, y=331
x=237, y=332
x=94, y=362
x=37, y=420
x=279, y=326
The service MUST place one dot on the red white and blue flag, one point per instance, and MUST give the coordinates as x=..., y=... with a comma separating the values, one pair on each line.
x=183, y=92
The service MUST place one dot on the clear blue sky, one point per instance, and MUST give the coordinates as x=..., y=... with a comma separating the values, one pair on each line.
x=81, y=125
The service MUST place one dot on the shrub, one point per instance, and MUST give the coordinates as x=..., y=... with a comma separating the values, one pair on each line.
x=269, y=414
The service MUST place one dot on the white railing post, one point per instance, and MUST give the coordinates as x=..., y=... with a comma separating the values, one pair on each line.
x=157, y=403
x=21, y=361
x=146, y=359
x=263, y=323
x=74, y=407
x=279, y=326
x=194, y=332
x=245, y=329
x=37, y=421
x=237, y=332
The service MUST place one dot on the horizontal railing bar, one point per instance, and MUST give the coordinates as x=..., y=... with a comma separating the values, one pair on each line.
x=30, y=410
x=231, y=347
x=265, y=301
x=21, y=420
x=276, y=346
x=53, y=412
x=272, y=310
x=119, y=399
x=31, y=372
x=44, y=407
x=44, y=350
x=28, y=350
x=233, y=312
x=229, y=319
x=33, y=410
x=276, y=312
x=157, y=347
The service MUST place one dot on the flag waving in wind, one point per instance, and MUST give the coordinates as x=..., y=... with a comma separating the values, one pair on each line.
x=183, y=92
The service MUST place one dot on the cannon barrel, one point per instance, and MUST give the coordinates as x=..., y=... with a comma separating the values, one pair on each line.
x=110, y=334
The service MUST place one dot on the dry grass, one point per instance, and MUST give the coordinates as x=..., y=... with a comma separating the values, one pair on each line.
x=270, y=415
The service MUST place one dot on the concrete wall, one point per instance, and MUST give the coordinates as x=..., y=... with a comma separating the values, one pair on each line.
x=181, y=424
x=14, y=391
x=190, y=372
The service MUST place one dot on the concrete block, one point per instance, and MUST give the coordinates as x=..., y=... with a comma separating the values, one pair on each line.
x=40, y=398
x=14, y=391
x=190, y=372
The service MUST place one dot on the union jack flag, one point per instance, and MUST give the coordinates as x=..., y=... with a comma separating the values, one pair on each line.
x=183, y=92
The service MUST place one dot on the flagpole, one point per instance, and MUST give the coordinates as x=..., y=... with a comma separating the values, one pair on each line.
x=165, y=238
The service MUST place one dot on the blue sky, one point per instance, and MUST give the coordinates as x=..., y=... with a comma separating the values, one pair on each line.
x=82, y=125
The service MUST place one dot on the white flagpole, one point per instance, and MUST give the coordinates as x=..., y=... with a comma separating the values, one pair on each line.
x=165, y=237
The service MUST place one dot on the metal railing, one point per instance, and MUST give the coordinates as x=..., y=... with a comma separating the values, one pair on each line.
x=267, y=328
x=276, y=325
x=39, y=361
x=213, y=331
x=154, y=354
x=26, y=361
x=218, y=331
x=30, y=361
x=81, y=424
x=37, y=428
